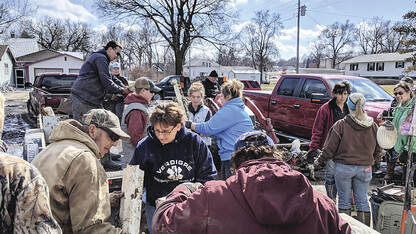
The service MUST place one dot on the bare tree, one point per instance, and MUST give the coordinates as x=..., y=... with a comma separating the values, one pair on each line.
x=318, y=52
x=257, y=39
x=12, y=11
x=50, y=33
x=337, y=38
x=227, y=55
x=56, y=34
x=408, y=29
x=178, y=22
x=77, y=37
x=394, y=40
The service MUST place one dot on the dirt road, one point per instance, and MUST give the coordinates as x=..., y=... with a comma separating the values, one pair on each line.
x=16, y=120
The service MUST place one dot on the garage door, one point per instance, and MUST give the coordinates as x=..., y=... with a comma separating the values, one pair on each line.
x=76, y=71
x=48, y=70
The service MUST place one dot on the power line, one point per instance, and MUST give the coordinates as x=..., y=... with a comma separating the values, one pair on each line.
x=315, y=20
x=338, y=14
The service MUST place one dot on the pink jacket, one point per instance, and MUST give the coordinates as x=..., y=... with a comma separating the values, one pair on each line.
x=265, y=196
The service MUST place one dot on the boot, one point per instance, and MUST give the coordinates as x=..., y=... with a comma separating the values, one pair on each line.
x=389, y=171
x=364, y=217
x=109, y=164
x=367, y=218
x=115, y=156
x=348, y=212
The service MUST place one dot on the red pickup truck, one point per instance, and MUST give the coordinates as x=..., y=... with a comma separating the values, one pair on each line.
x=49, y=89
x=296, y=98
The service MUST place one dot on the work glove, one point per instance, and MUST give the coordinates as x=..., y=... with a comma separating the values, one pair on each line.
x=311, y=155
x=402, y=159
x=318, y=164
x=115, y=198
x=188, y=124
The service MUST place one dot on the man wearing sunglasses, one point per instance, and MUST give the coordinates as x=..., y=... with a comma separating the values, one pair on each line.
x=77, y=182
x=94, y=80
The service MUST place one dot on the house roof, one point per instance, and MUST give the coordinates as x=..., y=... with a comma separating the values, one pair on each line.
x=199, y=62
x=3, y=49
x=385, y=57
x=245, y=71
x=39, y=55
x=22, y=46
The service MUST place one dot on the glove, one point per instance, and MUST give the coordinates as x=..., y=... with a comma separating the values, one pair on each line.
x=115, y=198
x=191, y=186
x=188, y=124
x=311, y=155
x=316, y=163
x=402, y=159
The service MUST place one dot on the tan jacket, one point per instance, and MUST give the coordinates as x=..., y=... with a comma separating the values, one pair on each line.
x=78, y=183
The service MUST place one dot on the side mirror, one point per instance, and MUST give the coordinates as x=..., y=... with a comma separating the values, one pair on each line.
x=28, y=85
x=319, y=98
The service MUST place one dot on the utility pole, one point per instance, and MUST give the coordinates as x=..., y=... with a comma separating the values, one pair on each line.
x=297, y=40
x=300, y=12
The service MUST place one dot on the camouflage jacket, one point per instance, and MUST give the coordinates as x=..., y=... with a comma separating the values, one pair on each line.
x=24, y=196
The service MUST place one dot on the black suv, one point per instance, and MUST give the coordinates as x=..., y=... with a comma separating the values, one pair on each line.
x=167, y=86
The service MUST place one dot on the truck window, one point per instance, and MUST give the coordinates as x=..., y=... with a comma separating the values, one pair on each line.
x=313, y=86
x=287, y=87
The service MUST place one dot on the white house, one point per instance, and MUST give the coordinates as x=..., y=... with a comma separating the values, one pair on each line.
x=200, y=68
x=386, y=65
x=44, y=61
x=7, y=62
x=244, y=75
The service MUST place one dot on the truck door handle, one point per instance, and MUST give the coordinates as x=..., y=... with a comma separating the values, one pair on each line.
x=273, y=102
x=296, y=105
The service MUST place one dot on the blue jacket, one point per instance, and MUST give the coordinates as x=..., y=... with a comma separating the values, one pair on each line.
x=186, y=159
x=230, y=122
x=94, y=80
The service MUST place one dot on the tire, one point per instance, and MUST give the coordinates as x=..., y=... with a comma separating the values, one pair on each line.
x=158, y=96
x=32, y=112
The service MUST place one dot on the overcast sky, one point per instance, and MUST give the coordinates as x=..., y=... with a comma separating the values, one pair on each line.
x=319, y=13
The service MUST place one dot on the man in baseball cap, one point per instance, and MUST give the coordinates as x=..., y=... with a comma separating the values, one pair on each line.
x=146, y=83
x=77, y=181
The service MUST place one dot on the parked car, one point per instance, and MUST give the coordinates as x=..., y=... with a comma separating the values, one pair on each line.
x=48, y=90
x=294, y=102
x=251, y=85
x=167, y=86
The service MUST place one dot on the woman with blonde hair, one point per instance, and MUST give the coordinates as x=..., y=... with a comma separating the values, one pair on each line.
x=352, y=144
x=230, y=122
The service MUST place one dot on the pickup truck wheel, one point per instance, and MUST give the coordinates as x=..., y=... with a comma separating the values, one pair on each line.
x=158, y=96
x=30, y=109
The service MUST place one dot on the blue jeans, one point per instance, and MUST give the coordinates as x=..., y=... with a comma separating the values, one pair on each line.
x=149, y=210
x=331, y=188
x=80, y=108
x=226, y=169
x=356, y=177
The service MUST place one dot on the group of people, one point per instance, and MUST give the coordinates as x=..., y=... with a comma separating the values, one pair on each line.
x=347, y=138
x=182, y=194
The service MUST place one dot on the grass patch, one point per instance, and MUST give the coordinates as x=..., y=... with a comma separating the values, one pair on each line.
x=269, y=86
x=388, y=88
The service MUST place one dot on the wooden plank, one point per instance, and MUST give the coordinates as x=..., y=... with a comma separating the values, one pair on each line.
x=131, y=204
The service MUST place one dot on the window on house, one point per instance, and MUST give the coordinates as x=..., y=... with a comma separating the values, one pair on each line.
x=354, y=67
x=399, y=64
x=380, y=67
x=370, y=67
x=6, y=68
